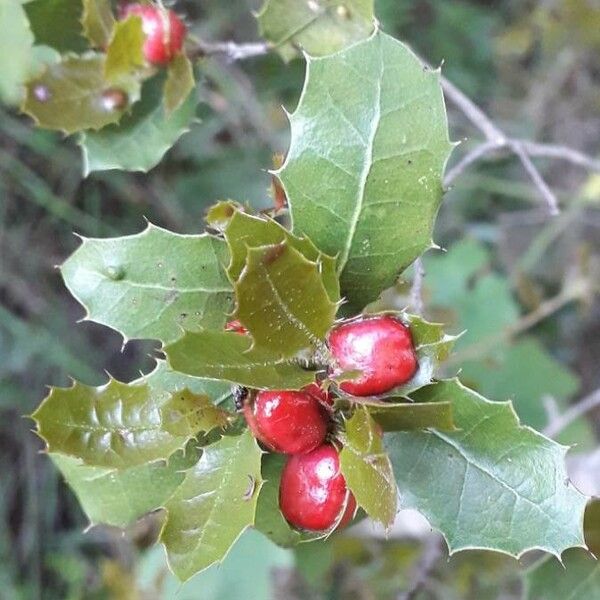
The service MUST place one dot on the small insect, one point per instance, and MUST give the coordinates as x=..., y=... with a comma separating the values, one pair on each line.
x=240, y=394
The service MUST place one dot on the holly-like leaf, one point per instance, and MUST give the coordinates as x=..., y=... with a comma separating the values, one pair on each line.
x=243, y=231
x=492, y=484
x=269, y=519
x=121, y=425
x=282, y=301
x=124, y=55
x=73, y=95
x=56, y=23
x=372, y=200
x=230, y=356
x=152, y=284
x=16, y=48
x=179, y=83
x=432, y=346
x=119, y=497
x=142, y=138
x=97, y=22
x=317, y=27
x=413, y=416
x=213, y=506
x=367, y=468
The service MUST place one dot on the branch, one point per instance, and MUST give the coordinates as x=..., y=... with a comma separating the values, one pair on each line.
x=579, y=409
x=416, y=291
x=431, y=554
x=232, y=51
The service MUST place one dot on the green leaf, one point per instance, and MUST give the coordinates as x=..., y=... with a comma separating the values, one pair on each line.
x=124, y=55
x=230, y=356
x=179, y=83
x=16, y=48
x=142, y=138
x=282, y=301
x=244, y=231
x=56, y=23
x=367, y=468
x=578, y=577
x=120, y=497
x=496, y=484
x=152, y=284
x=432, y=347
x=318, y=27
x=73, y=95
x=372, y=200
x=269, y=519
x=97, y=22
x=121, y=425
x=213, y=506
x=410, y=416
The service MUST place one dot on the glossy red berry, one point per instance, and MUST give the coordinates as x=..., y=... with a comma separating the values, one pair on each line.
x=313, y=492
x=381, y=347
x=287, y=421
x=164, y=30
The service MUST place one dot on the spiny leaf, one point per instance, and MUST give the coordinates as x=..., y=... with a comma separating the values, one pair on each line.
x=229, y=356
x=152, y=284
x=213, y=506
x=16, y=48
x=493, y=484
x=243, y=231
x=56, y=23
x=73, y=95
x=121, y=425
x=367, y=468
x=316, y=26
x=411, y=416
x=124, y=55
x=432, y=346
x=119, y=497
x=142, y=138
x=179, y=83
x=372, y=200
x=97, y=21
x=282, y=301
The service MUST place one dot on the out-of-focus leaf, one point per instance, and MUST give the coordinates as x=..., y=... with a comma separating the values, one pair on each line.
x=372, y=200
x=229, y=356
x=16, y=47
x=498, y=485
x=282, y=301
x=72, y=95
x=97, y=21
x=142, y=138
x=213, y=506
x=153, y=284
x=119, y=497
x=179, y=83
x=124, y=54
x=367, y=468
x=121, y=425
x=56, y=23
x=318, y=27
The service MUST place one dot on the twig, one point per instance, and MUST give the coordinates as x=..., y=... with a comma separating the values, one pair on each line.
x=431, y=554
x=416, y=291
x=476, y=154
x=231, y=50
x=561, y=153
x=573, y=413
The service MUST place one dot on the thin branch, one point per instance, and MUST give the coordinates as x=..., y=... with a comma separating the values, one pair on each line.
x=473, y=156
x=561, y=153
x=431, y=555
x=576, y=411
x=416, y=291
x=231, y=50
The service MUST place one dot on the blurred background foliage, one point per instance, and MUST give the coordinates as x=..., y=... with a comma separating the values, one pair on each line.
x=519, y=284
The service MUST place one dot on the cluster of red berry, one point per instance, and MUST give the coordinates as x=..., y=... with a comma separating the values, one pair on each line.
x=313, y=494
x=164, y=31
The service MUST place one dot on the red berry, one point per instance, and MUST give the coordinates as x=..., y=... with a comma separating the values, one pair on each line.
x=236, y=327
x=381, y=347
x=324, y=396
x=312, y=492
x=164, y=31
x=287, y=421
